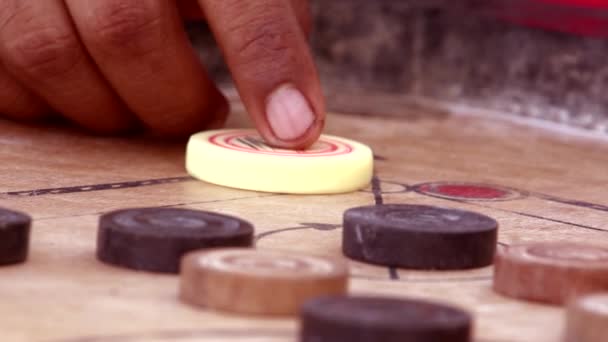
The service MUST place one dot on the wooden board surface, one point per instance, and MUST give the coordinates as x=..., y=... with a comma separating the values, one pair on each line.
x=550, y=187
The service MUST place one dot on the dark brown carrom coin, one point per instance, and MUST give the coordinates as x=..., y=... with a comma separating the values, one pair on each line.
x=419, y=237
x=14, y=236
x=155, y=239
x=364, y=319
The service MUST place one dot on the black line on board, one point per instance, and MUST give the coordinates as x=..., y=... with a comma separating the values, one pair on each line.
x=575, y=203
x=392, y=272
x=405, y=188
x=553, y=220
x=377, y=190
x=303, y=226
x=97, y=187
x=379, y=200
x=526, y=214
x=273, y=232
x=379, y=157
x=165, y=206
x=321, y=226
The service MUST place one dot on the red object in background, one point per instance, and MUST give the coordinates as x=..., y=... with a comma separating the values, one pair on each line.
x=586, y=17
x=583, y=3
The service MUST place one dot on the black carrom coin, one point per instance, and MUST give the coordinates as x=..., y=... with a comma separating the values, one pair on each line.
x=419, y=237
x=366, y=319
x=14, y=236
x=155, y=239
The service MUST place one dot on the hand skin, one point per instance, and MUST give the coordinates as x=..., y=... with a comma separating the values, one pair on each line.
x=112, y=65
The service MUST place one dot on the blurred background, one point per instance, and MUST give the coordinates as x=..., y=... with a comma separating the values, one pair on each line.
x=540, y=59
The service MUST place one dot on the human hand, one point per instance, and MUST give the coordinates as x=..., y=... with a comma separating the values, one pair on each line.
x=110, y=65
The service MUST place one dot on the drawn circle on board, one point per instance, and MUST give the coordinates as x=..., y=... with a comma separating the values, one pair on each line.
x=464, y=191
x=389, y=187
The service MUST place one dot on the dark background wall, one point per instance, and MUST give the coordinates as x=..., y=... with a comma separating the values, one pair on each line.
x=412, y=52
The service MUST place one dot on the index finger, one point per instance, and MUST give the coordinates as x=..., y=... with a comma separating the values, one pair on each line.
x=271, y=63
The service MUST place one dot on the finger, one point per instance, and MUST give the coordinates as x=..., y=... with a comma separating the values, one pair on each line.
x=41, y=49
x=272, y=66
x=302, y=10
x=143, y=50
x=18, y=103
x=189, y=9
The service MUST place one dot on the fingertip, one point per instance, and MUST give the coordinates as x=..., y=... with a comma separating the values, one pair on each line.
x=292, y=121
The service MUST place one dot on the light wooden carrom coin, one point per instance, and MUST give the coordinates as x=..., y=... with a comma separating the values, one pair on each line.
x=587, y=319
x=550, y=272
x=250, y=281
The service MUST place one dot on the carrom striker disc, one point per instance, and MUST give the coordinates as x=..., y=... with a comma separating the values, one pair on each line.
x=419, y=237
x=241, y=159
x=250, y=281
x=155, y=239
x=550, y=272
x=14, y=236
x=365, y=319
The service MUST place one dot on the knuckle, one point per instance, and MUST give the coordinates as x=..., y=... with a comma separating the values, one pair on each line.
x=9, y=10
x=127, y=26
x=265, y=40
x=44, y=53
x=34, y=48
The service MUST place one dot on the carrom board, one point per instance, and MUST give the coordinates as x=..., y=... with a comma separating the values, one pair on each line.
x=539, y=185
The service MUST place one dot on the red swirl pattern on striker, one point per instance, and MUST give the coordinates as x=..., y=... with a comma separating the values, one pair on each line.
x=244, y=141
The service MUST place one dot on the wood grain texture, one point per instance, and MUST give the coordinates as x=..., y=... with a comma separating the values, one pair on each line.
x=65, y=180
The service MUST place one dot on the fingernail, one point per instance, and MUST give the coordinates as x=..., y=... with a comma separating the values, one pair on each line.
x=288, y=113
